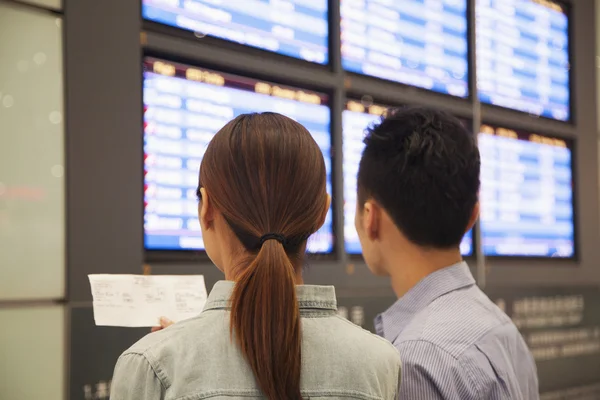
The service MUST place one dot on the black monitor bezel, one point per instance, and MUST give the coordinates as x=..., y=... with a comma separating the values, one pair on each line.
x=467, y=123
x=188, y=255
x=571, y=145
x=567, y=7
x=189, y=35
x=470, y=95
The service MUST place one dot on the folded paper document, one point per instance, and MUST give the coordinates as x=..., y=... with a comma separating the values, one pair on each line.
x=140, y=300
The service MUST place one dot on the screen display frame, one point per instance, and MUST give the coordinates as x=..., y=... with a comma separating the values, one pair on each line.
x=572, y=146
x=191, y=255
x=368, y=101
x=469, y=81
x=567, y=7
x=190, y=35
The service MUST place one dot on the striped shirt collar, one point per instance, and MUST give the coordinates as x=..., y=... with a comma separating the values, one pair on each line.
x=392, y=322
x=309, y=297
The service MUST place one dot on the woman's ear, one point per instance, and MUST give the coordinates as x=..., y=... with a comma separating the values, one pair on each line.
x=206, y=210
x=325, y=211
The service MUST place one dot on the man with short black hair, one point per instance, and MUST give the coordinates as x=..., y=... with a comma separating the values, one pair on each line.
x=418, y=185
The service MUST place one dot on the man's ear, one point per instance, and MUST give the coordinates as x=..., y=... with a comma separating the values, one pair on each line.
x=206, y=210
x=371, y=219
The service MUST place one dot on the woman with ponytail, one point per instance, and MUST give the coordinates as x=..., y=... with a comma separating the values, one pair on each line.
x=263, y=334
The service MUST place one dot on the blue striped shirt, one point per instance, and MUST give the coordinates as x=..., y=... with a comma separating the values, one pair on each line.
x=456, y=344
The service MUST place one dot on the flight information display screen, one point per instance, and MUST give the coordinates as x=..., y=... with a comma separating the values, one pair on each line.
x=526, y=194
x=356, y=118
x=296, y=28
x=523, y=56
x=184, y=107
x=423, y=43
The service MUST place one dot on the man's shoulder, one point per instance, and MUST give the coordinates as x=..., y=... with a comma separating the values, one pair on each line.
x=478, y=350
x=430, y=370
x=456, y=322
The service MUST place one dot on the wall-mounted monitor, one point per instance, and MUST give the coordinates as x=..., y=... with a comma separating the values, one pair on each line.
x=295, y=28
x=526, y=194
x=184, y=106
x=414, y=42
x=523, y=56
x=356, y=118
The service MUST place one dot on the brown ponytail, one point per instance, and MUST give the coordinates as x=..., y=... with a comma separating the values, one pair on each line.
x=266, y=175
x=266, y=320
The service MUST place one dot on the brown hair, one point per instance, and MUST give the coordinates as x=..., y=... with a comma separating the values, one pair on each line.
x=266, y=175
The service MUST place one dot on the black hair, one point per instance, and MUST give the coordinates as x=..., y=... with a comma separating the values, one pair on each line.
x=422, y=166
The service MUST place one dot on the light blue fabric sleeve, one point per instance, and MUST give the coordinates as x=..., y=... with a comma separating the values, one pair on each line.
x=134, y=379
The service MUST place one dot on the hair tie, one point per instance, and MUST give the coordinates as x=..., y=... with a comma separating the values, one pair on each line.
x=271, y=236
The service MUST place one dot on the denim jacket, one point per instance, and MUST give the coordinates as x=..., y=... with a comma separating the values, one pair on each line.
x=196, y=359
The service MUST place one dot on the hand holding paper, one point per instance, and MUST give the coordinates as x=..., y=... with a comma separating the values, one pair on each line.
x=164, y=323
x=141, y=300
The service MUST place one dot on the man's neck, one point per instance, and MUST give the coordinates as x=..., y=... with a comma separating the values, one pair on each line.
x=407, y=268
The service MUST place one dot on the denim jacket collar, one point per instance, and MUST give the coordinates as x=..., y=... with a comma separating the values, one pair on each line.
x=310, y=297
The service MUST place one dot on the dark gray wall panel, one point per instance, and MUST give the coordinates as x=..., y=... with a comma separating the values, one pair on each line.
x=104, y=151
x=567, y=343
x=94, y=352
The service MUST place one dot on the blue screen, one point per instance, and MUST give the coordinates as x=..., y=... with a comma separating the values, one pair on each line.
x=356, y=118
x=296, y=28
x=526, y=194
x=184, y=107
x=421, y=43
x=523, y=56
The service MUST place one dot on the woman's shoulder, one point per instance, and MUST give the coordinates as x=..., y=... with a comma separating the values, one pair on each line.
x=204, y=328
x=338, y=332
x=371, y=341
x=188, y=356
x=356, y=360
